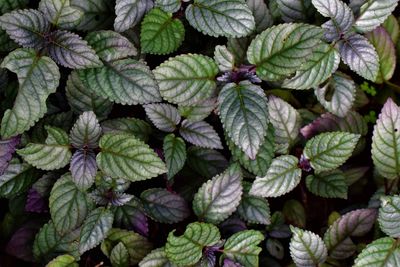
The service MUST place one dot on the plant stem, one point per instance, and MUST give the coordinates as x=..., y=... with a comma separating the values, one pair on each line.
x=393, y=86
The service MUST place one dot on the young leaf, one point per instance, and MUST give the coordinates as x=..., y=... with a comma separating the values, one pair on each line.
x=186, y=249
x=244, y=114
x=342, y=98
x=319, y=67
x=26, y=27
x=293, y=10
x=381, y=252
x=164, y=116
x=86, y=131
x=95, y=228
x=224, y=58
x=68, y=205
x=156, y=258
x=63, y=261
x=328, y=185
x=55, y=154
x=389, y=214
x=354, y=223
x=129, y=13
x=199, y=110
x=386, y=141
x=81, y=99
x=110, y=45
x=124, y=81
x=327, y=151
x=357, y=52
x=281, y=50
x=306, y=248
x=186, y=79
x=83, y=168
x=161, y=33
x=69, y=50
x=7, y=149
x=342, y=18
x=170, y=6
x=286, y=121
x=200, y=134
x=119, y=256
x=373, y=13
x=231, y=18
x=16, y=179
x=384, y=46
x=164, y=206
x=38, y=77
x=174, y=153
x=124, y=156
x=282, y=177
x=242, y=247
x=217, y=199
x=61, y=13
x=253, y=209
x=259, y=166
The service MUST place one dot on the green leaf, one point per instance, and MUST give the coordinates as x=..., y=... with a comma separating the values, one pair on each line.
x=253, y=209
x=242, y=247
x=231, y=18
x=16, y=179
x=93, y=10
x=281, y=50
x=164, y=116
x=68, y=49
x=164, y=206
x=26, y=27
x=391, y=25
x=386, y=141
x=259, y=166
x=140, y=129
x=328, y=184
x=201, y=134
x=327, y=151
x=81, y=99
x=129, y=13
x=119, y=256
x=38, y=77
x=206, y=162
x=9, y=5
x=261, y=13
x=69, y=206
x=6, y=44
x=319, y=67
x=224, y=58
x=156, y=258
x=110, y=45
x=186, y=249
x=243, y=112
x=293, y=10
x=55, y=154
x=373, y=13
x=161, y=33
x=199, y=110
x=294, y=213
x=95, y=228
x=186, y=79
x=389, y=215
x=86, y=131
x=171, y=6
x=359, y=54
x=61, y=13
x=341, y=92
x=386, y=51
x=286, y=121
x=124, y=81
x=381, y=252
x=138, y=246
x=282, y=177
x=218, y=198
x=174, y=153
x=124, y=156
x=355, y=223
x=306, y=248
x=63, y=261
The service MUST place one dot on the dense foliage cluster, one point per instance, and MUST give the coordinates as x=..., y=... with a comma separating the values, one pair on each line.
x=232, y=133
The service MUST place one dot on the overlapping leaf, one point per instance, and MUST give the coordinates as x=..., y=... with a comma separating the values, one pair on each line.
x=129, y=13
x=174, y=154
x=168, y=5
x=293, y=10
x=389, y=215
x=261, y=13
x=381, y=252
x=83, y=168
x=124, y=156
x=328, y=184
x=61, y=13
x=224, y=58
x=93, y=10
x=206, y=162
x=119, y=255
x=254, y=209
x=244, y=115
x=63, y=261
x=164, y=116
x=139, y=128
x=198, y=111
x=200, y=134
x=86, y=131
x=7, y=149
x=38, y=77
x=156, y=258
x=16, y=179
x=231, y=18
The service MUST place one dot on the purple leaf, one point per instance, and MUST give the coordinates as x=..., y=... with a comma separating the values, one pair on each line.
x=35, y=202
x=230, y=263
x=20, y=244
x=7, y=148
x=83, y=168
x=131, y=217
x=232, y=225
